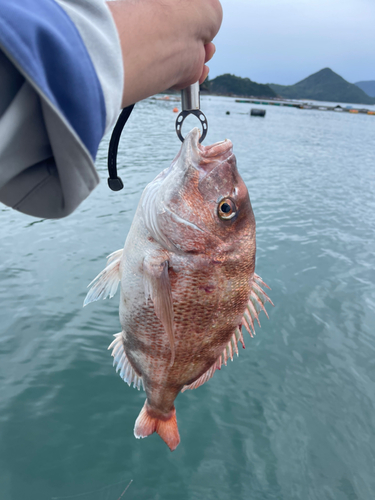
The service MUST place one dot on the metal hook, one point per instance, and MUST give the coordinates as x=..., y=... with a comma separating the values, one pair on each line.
x=201, y=117
x=190, y=104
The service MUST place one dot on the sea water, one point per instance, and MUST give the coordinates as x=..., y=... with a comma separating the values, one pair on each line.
x=293, y=417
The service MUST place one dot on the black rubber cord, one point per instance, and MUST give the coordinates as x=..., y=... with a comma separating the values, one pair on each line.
x=114, y=182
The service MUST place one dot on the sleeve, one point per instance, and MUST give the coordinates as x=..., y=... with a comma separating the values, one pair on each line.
x=61, y=81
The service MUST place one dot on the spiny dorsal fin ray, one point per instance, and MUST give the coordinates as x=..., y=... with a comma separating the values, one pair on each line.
x=259, y=302
x=263, y=294
x=259, y=280
x=106, y=283
x=248, y=323
x=120, y=360
x=228, y=351
x=256, y=302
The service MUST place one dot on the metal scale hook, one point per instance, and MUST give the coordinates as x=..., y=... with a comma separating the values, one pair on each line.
x=190, y=101
x=190, y=105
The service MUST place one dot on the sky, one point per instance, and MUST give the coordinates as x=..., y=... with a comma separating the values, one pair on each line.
x=284, y=41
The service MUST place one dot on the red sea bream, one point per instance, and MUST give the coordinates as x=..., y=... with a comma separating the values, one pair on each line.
x=187, y=281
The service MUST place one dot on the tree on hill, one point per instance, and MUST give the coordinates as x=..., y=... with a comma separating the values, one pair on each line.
x=325, y=85
x=234, y=85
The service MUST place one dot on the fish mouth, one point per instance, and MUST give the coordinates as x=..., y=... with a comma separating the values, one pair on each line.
x=206, y=158
x=218, y=149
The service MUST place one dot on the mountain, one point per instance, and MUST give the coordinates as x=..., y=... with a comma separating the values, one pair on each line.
x=368, y=87
x=325, y=85
x=235, y=85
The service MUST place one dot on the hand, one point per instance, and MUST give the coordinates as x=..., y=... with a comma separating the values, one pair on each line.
x=165, y=43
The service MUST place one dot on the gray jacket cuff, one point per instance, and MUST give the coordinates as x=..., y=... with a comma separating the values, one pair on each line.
x=97, y=28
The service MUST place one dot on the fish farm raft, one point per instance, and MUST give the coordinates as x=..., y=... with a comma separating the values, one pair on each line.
x=305, y=105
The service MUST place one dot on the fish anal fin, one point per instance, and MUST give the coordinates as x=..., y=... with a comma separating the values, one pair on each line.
x=122, y=363
x=165, y=425
x=158, y=287
x=106, y=283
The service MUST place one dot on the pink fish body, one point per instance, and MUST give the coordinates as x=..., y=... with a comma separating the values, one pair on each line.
x=187, y=281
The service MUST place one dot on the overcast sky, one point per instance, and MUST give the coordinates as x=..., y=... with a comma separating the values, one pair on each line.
x=284, y=41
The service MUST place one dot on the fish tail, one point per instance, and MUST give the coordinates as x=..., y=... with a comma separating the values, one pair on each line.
x=165, y=425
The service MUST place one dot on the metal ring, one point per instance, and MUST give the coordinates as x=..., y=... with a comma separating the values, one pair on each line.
x=198, y=113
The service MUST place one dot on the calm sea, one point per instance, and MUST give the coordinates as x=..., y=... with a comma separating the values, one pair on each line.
x=293, y=417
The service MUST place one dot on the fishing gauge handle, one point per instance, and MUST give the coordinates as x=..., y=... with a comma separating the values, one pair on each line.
x=190, y=103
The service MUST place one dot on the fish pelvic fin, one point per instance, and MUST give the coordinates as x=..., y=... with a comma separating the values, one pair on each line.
x=106, y=283
x=122, y=363
x=257, y=300
x=165, y=425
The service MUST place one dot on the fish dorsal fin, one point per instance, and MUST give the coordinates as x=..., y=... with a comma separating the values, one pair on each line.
x=106, y=283
x=203, y=378
x=256, y=302
x=158, y=287
x=227, y=353
x=257, y=299
x=122, y=363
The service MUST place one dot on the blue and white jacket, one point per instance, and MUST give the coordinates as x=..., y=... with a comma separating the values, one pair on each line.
x=61, y=84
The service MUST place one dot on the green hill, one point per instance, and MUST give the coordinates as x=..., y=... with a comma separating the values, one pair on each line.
x=234, y=85
x=325, y=85
x=368, y=87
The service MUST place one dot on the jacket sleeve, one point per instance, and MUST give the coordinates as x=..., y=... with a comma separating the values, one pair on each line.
x=61, y=81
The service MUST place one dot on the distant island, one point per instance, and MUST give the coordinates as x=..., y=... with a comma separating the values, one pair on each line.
x=325, y=85
x=368, y=87
x=240, y=87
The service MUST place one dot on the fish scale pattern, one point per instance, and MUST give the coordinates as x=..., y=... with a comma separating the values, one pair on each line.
x=251, y=313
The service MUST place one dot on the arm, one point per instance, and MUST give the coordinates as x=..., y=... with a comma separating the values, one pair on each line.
x=66, y=58
x=164, y=44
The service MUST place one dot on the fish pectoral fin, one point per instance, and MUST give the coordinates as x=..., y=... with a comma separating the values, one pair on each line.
x=158, y=287
x=228, y=351
x=106, y=283
x=122, y=363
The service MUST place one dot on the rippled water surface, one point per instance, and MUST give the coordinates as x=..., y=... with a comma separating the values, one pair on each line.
x=293, y=417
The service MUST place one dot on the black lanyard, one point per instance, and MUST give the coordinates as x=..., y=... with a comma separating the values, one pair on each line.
x=114, y=182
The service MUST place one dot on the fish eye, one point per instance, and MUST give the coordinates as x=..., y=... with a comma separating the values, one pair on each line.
x=227, y=209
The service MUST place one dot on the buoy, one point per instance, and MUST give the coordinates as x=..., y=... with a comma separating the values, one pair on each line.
x=258, y=112
x=175, y=110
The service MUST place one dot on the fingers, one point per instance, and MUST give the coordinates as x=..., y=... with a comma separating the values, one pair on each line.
x=206, y=70
x=210, y=51
x=168, y=41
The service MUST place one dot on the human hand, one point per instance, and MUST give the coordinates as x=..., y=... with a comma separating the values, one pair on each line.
x=165, y=44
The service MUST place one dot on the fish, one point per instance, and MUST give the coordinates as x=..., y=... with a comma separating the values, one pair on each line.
x=187, y=281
